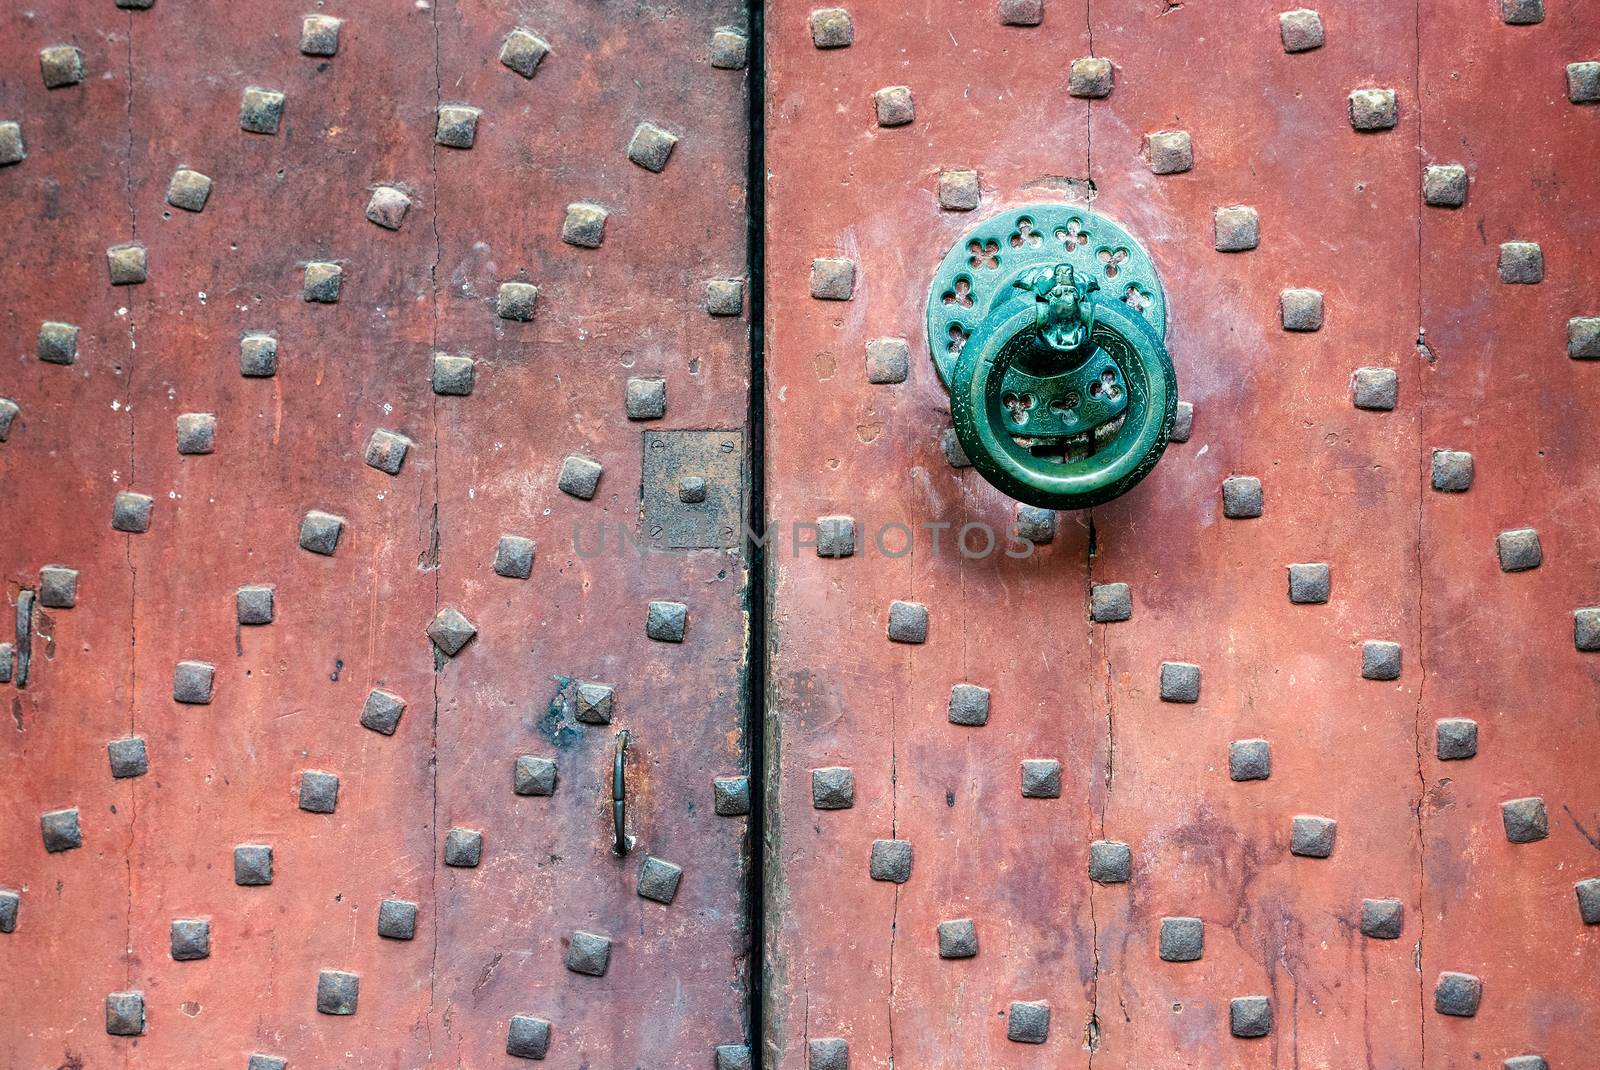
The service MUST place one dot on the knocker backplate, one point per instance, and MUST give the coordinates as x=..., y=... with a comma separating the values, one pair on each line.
x=977, y=273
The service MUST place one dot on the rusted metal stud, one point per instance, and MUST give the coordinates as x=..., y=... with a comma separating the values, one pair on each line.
x=958, y=938
x=1583, y=87
x=463, y=848
x=1170, y=152
x=1380, y=660
x=585, y=225
x=959, y=190
x=1249, y=759
x=1028, y=1021
x=7, y=657
x=1300, y=30
x=259, y=1061
x=61, y=830
x=1583, y=338
x=580, y=476
x=725, y=297
x=382, y=711
x=1090, y=78
x=12, y=149
x=730, y=796
x=386, y=451
x=252, y=864
x=836, y=536
x=651, y=146
x=319, y=792
x=1312, y=836
x=1444, y=185
x=337, y=992
x=831, y=28
x=453, y=376
x=61, y=65
x=1301, y=309
x=1110, y=862
x=891, y=861
x=969, y=705
x=260, y=110
x=191, y=682
x=1455, y=738
x=1375, y=389
x=139, y=5
x=1452, y=471
x=127, y=264
x=1382, y=919
x=319, y=35
x=1180, y=682
x=10, y=904
x=692, y=490
x=1521, y=263
x=730, y=48
x=58, y=343
x=1182, y=939
x=190, y=939
x=323, y=280
x=125, y=1014
x=397, y=919
x=1021, y=12
x=127, y=757
x=319, y=532
x=513, y=557
x=1036, y=525
x=58, y=587
x=1457, y=994
x=1586, y=628
x=1310, y=584
x=658, y=879
x=523, y=51
x=9, y=410
x=665, y=621
x=1242, y=498
x=254, y=603
x=588, y=953
x=533, y=775
x=1110, y=603
x=833, y=278
x=1518, y=549
x=908, y=622
x=1522, y=12
x=387, y=207
x=1526, y=1062
x=731, y=1057
x=1588, y=892
x=450, y=630
x=516, y=301
x=1374, y=109
x=894, y=105
x=950, y=445
x=1041, y=778
x=258, y=356
x=1525, y=820
x=130, y=512
x=1250, y=1016
x=197, y=433
x=828, y=1053
x=1183, y=423
x=645, y=398
x=888, y=360
x=1236, y=229
x=456, y=126
x=527, y=1037
x=833, y=788
x=594, y=702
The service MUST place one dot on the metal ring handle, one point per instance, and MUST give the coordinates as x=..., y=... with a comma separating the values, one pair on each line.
x=619, y=798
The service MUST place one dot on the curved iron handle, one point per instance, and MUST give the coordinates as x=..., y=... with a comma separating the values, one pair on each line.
x=619, y=798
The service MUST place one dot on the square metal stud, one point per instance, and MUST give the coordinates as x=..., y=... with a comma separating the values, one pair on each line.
x=453, y=376
x=658, y=879
x=888, y=360
x=1182, y=939
x=1311, y=836
x=8, y=653
x=128, y=757
x=523, y=51
x=527, y=1037
x=1444, y=185
x=61, y=65
x=645, y=398
x=456, y=126
x=450, y=630
x=130, y=512
x=191, y=939
x=127, y=264
x=386, y=451
x=1309, y=584
x=891, y=861
x=319, y=532
x=1242, y=498
x=1170, y=152
x=969, y=705
x=125, y=1014
x=1110, y=603
x=665, y=622
x=1036, y=525
x=1374, y=109
x=588, y=953
x=594, y=702
x=1028, y=1022
x=828, y=1053
x=1021, y=12
x=1452, y=471
x=516, y=301
x=1583, y=337
x=258, y=356
x=1249, y=759
x=1300, y=30
x=833, y=788
x=1110, y=862
x=1183, y=424
x=463, y=848
x=337, y=992
x=1457, y=994
x=188, y=190
x=950, y=445
x=692, y=490
x=197, y=433
x=908, y=622
x=1380, y=660
x=191, y=682
x=1090, y=78
x=533, y=775
x=319, y=792
x=1375, y=389
x=387, y=207
x=1583, y=83
x=260, y=110
x=1456, y=738
x=725, y=297
x=1236, y=229
x=10, y=903
x=513, y=557
x=1522, y=12
x=252, y=864
x=319, y=35
x=1526, y=1062
x=651, y=146
x=1525, y=820
x=61, y=830
x=1519, y=549
x=1180, y=682
x=831, y=28
x=730, y=796
x=958, y=939
x=1250, y=1016
x=58, y=587
x=959, y=190
x=397, y=919
x=585, y=225
x=1521, y=263
x=323, y=280
x=58, y=343
x=1586, y=628
x=1041, y=778
x=836, y=536
x=894, y=105
x=382, y=711
x=12, y=149
x=1588, y=892
x=730, y=50
x=1382, y=919
x=580, y=477
x=833, y=278
x=9, y=411
x=1301, y=309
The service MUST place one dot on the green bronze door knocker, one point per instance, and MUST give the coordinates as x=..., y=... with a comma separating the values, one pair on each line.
x=1047, y=326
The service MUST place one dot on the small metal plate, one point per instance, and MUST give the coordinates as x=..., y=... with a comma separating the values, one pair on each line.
x=977, y=273
x=670, y=457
